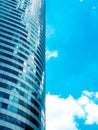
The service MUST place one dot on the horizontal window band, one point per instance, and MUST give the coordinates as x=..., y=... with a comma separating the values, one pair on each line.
x=18, y=111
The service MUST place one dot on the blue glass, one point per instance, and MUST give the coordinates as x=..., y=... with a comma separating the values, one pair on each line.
x=22, y=64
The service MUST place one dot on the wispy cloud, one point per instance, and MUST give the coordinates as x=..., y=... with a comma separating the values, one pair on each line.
x=81, y=0
x=50, y=54
x=49, y=31
x=61, y=113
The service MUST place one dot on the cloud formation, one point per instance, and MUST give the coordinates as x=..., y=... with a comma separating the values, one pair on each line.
x=49, y=31
x=81, y=0
x=61, y=114
x=50, y=54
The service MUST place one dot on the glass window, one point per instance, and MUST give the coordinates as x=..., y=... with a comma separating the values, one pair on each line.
x=34, y=121
x=10, y=119
x=4, y=105
x=12, y=108
x=8, y=70
x=8, y=78
x=4, y=128
x=28, y=128
x=6, y=95
x=11, y=63
x=6, y=48
x=14, y=99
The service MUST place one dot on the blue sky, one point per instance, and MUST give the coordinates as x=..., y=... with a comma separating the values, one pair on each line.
x=72, y=51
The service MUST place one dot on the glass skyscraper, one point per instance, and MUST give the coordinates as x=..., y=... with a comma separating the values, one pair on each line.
x=22, y=64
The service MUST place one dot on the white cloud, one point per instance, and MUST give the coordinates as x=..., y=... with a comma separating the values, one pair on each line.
x=92, y=113
x=50, y=31
x=61, y=113
x=89, y=94
x=50, y=54
x=81, y=0
x=96, y=94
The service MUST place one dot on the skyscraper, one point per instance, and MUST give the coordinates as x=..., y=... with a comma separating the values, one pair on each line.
x=22, y=64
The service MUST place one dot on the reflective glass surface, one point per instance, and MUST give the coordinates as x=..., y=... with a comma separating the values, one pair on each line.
x=22, y=64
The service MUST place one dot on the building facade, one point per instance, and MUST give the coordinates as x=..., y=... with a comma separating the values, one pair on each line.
x=22, y=65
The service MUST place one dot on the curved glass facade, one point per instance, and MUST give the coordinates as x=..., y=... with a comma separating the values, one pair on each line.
x=22, y=65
